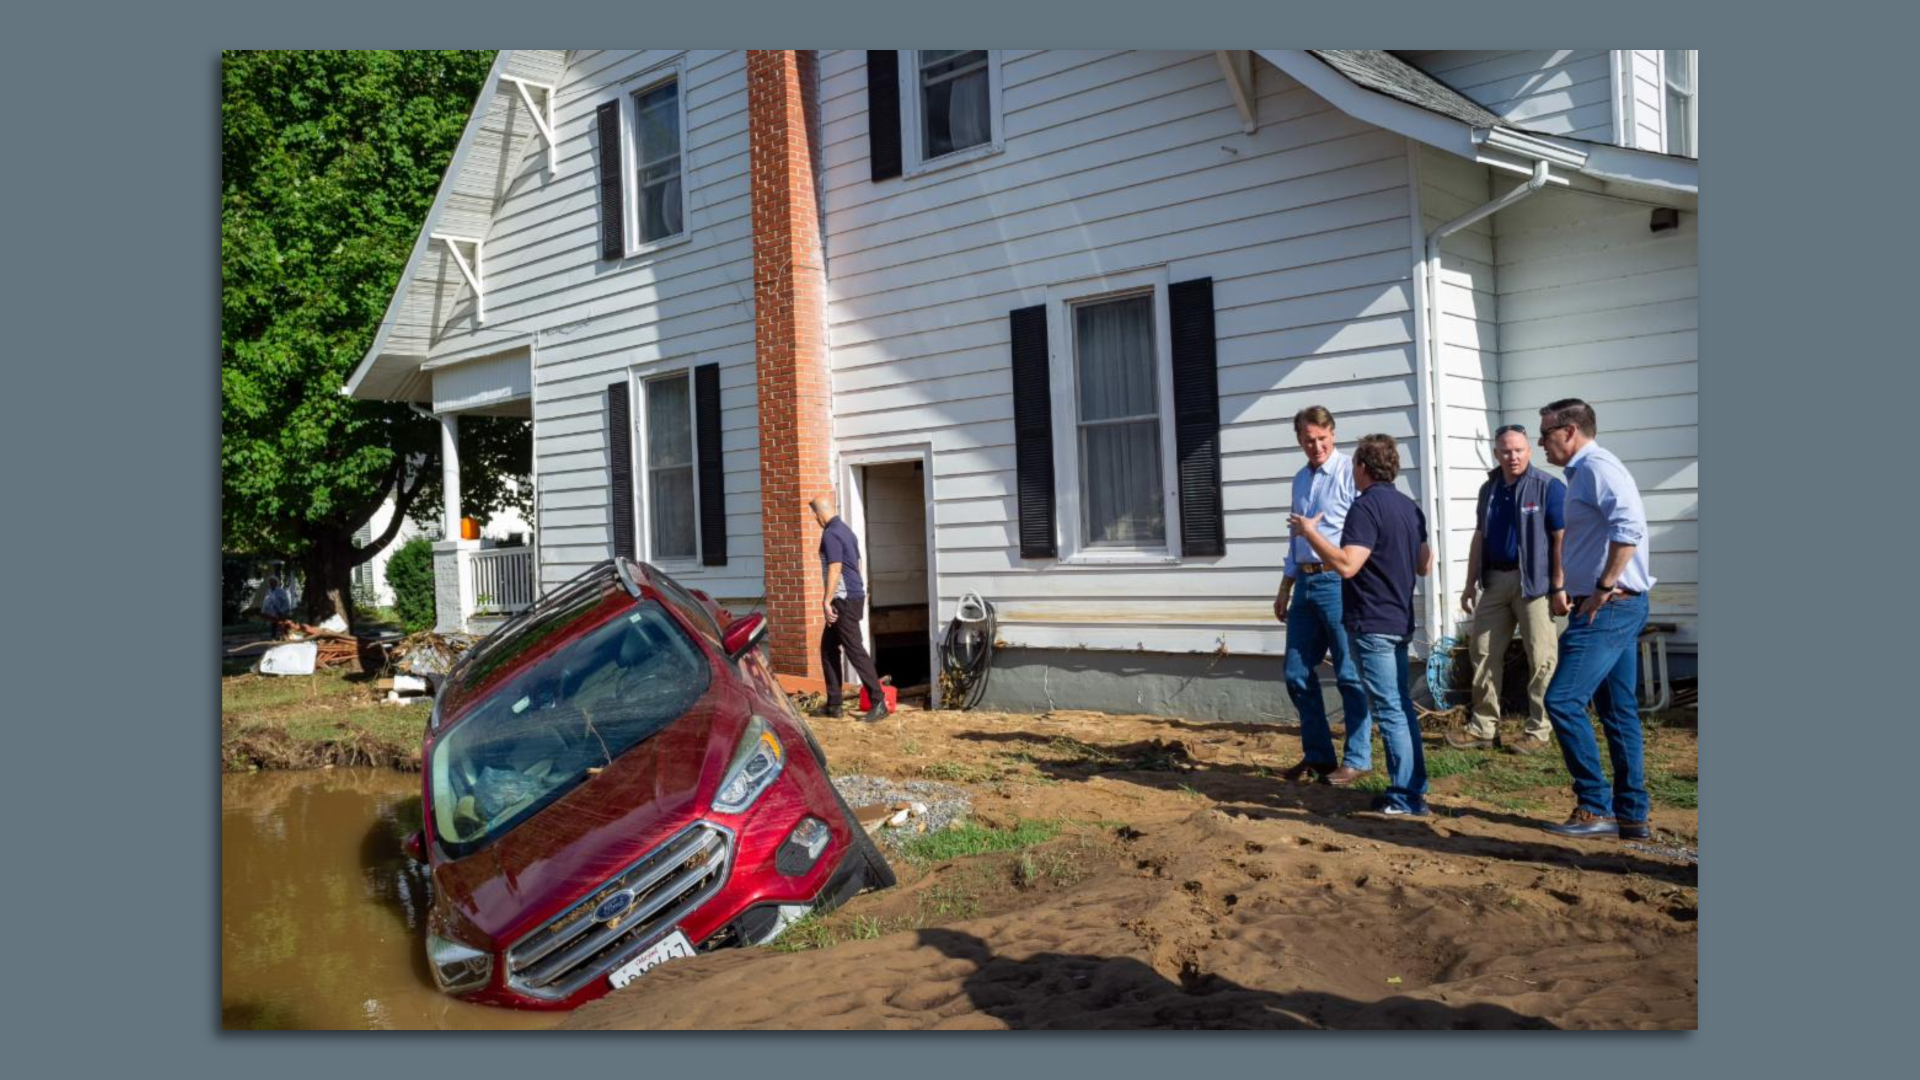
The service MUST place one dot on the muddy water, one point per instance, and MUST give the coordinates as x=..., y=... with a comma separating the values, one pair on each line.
x=322, y=917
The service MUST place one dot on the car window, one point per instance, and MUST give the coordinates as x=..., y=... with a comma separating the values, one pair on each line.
x=687, y=606
x=547, y=729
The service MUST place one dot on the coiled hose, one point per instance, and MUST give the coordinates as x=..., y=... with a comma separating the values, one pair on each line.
x=966, y=653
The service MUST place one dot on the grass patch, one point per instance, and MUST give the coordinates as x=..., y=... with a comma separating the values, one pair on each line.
x=330, y=717
x=960, y=771
x=1672, y=789
x=972, y=838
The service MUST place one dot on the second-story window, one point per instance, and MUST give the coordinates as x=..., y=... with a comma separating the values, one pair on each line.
x=955, y=103
x=1683, y=101
x=657, y=161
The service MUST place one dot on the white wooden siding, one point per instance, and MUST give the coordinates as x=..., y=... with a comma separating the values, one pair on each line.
x=1469, y=348
x=596, y=320
x=1649, y=101
x=1553, y=91
x=1113, y=161
x=1594, y=305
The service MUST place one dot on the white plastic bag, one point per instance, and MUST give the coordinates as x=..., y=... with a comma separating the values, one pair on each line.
x=294, y=658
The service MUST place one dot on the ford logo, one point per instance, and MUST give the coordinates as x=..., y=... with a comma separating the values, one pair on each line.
x=613, y=906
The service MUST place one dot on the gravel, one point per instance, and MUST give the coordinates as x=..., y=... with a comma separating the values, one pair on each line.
x=946, y=805
x=1667, y=851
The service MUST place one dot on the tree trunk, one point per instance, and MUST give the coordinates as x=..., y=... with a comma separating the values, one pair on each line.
x=328, y=568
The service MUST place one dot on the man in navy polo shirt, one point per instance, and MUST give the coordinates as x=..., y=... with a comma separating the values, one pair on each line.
x=1383, y=548
x=845, y=604
x=1513, y=578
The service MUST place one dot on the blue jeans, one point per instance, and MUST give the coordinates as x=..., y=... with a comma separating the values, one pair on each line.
x=1599, y=662
x=1383, y=668
x=1313, y=631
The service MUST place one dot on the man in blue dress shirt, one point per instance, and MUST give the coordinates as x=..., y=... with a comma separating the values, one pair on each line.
x=1309, y=604
x=1605, y=561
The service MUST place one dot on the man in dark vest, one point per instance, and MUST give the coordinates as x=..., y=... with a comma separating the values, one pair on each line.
x=846, y=605
x=1513, y=579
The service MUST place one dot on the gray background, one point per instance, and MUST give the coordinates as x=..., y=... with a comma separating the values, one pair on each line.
x=112, y=434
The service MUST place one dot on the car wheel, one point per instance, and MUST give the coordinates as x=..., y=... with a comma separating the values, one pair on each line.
x=879, y=872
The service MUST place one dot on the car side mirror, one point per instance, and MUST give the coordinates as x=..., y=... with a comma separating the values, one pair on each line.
x=743, y=634
x=415, y=845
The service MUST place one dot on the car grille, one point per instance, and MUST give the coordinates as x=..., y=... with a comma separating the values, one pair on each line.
x=667, y=884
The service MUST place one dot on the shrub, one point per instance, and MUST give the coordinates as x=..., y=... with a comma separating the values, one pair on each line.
x=410, y=572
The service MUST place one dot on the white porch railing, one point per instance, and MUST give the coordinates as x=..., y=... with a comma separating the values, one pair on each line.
x=503, y=579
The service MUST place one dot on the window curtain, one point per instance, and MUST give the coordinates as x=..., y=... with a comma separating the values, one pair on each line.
x=670, y=467
x=1120, y=482
x=968, y=120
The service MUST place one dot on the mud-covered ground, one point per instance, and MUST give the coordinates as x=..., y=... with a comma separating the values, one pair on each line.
x=1158, y=873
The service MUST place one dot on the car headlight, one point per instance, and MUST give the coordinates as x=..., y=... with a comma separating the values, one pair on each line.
x=457, y=968
x=756, y=763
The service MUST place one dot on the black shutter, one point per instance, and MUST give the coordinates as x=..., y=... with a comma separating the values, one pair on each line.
x=1196, y=417
x=1033, y=432
x=713, y=498
x=883, y=112
x=613, y=210
x=620, y=470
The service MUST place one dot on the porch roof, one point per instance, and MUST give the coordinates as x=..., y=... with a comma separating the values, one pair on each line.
x=432, y=295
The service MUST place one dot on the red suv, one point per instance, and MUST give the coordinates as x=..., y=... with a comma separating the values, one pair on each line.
x=615, y=779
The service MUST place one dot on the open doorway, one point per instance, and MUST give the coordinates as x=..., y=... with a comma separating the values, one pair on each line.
x=890, y=504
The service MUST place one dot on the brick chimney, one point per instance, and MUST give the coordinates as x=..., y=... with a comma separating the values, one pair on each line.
x=789, y=283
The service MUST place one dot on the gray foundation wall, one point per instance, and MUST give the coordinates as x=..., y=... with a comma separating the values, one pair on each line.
x=1198, y=686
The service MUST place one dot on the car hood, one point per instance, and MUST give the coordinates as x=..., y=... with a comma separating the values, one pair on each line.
x=596, y=830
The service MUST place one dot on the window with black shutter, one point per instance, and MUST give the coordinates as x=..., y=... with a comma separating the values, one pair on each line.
x=713, y=507
x=1033, y=432
x=883, y=113
x=620, y=470
x=1196, y=417
x=613, y=216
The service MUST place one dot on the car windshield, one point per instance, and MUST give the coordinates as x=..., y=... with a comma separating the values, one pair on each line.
x=544, y=731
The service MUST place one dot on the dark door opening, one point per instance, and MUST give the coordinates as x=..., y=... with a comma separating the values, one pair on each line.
x=893, y=496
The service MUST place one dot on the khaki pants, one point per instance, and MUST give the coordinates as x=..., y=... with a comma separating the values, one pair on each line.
x=1502, y=607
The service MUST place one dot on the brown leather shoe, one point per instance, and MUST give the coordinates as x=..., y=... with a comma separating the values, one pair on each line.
x=1462, y=739
x=1298, y=772
x=1344, y=776
x=1527, y=744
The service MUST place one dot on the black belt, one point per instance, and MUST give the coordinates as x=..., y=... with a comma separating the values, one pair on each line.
x=1576, y=601
x=1503, y=566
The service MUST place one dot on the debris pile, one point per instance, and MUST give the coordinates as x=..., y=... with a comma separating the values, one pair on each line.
x=894, y=811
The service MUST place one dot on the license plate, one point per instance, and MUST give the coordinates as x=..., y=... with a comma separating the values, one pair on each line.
x=671, y=947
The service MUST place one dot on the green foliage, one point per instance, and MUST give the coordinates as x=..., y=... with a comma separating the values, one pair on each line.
x=410, y=572
x=329, y=163
x=972, y=838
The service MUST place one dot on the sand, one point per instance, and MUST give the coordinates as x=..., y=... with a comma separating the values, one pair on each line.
x=1194, y=889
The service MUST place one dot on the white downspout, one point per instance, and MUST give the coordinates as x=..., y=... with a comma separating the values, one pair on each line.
x=1433, y=387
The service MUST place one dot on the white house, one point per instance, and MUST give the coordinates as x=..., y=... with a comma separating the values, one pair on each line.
x=1043, y=318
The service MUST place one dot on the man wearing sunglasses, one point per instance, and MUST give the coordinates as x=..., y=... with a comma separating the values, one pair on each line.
x=1513, y=579
x=1605, y=562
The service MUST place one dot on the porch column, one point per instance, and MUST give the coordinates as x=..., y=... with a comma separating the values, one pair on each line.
x=450, y=475
x=452, y=573
x=789, y=290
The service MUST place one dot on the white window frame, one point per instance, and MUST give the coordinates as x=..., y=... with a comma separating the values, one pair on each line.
x=642, y=489
x=914, y=161
x=1075, y=550
x=624, y=93
x=1690, y=122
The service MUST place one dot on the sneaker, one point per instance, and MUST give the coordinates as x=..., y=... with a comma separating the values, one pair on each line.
x=1528, y=744
x=1462, y=739
x=1584, y=824
x=1389, y=808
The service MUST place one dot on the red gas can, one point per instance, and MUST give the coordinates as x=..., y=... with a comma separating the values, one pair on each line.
x=887, y=691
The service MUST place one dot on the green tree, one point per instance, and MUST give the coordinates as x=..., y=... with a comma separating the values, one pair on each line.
x=329, y=163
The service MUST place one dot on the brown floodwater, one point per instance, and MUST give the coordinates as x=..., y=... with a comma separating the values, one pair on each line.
x=322, y=916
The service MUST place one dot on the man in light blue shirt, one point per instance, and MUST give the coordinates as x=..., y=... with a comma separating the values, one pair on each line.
x=1605, y=561
x=1309, y=605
